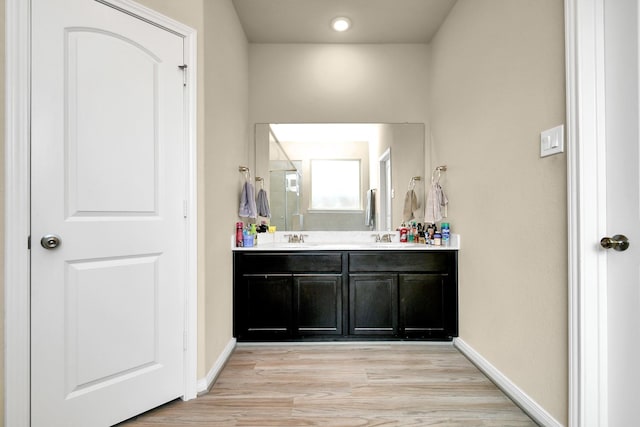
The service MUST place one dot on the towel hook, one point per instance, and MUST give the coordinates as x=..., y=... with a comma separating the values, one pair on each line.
x=246, y=171
x=412, y=182
x=261, y=180
x=437, y=171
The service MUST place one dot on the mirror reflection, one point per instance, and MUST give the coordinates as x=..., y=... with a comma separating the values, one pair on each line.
x=341, y=176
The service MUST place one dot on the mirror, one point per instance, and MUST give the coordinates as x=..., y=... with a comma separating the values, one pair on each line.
x=340, y=176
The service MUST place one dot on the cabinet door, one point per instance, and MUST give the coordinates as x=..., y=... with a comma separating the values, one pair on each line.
x=373, y=304
x=318, y=304
x=422, y=304
x=267, y=309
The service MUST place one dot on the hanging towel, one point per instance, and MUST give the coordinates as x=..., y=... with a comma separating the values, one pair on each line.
x=369, y=215
x=247, y=201
x=436, y=202
x=410, y=205
x=262, y=203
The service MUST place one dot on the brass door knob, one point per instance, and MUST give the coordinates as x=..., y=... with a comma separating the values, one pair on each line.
x=618, y=242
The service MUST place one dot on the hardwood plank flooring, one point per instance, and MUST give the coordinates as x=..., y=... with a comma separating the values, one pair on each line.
x=387, y=384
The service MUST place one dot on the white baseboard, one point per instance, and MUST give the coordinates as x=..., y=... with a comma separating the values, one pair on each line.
x=524, y=401
x=204, y=384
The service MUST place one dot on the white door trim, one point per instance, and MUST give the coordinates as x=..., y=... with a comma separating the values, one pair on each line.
x=17, y=203
x=586, y=176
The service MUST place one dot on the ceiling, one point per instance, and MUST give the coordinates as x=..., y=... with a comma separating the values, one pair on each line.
x=373, y=21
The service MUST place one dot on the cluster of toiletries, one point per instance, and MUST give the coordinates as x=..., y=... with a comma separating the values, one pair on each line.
x=426, y=235
x=247, y=236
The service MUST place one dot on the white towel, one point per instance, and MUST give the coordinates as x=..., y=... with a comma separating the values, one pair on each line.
x=436, y=202
x=247, y=201
x=369, y=215
x=262, y=203
x=410, y=205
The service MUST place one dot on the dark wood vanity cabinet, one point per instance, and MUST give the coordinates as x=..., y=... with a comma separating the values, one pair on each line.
x=404, y=294
x=287, y=296
x=345, y=295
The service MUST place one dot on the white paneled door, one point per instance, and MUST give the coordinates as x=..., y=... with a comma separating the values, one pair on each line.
x=623, y=208
x=108, y=183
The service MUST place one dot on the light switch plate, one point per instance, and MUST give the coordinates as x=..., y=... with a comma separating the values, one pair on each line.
x=552, y=141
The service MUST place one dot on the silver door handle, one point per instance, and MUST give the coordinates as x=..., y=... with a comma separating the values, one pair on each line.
x=618, y=242
x=50, y=241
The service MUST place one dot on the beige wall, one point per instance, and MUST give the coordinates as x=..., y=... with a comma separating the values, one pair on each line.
x=497, y=81
x=292, y=83
x=226, y=147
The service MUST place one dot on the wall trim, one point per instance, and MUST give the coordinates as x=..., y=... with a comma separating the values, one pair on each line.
x=586, y=195
x=17, y=304
x=205, y=384
x=524, y=401
x=17, y=224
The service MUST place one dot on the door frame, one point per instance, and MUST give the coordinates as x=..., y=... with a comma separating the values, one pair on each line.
x=586, y=203
x=17, y=202
x=385, y=190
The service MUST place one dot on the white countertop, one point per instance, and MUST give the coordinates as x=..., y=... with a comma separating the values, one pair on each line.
x=339, y=241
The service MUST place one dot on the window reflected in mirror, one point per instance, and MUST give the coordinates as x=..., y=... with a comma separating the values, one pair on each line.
x=339, y=176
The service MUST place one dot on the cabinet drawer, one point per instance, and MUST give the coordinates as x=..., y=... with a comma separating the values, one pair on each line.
x=401, y=261
x=312, y=262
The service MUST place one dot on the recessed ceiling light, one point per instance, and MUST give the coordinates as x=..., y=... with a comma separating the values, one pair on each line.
x=341, y=24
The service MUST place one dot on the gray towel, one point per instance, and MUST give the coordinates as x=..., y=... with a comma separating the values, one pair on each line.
x=247, y=201
x=262, y=203
x=410, y=205
x=369, y=216
x=436, y=202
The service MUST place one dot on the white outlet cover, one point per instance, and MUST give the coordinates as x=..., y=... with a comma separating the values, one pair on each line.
x=552, y=141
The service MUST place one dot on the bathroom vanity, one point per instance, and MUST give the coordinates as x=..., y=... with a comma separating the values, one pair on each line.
x=342, y=291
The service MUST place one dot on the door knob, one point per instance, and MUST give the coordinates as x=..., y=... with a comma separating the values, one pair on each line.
x=618, y=242
x=50, y=241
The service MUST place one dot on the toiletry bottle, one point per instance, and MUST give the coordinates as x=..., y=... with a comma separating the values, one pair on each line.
x=254, y=233
x=421, y=238
x=429, y=234
x=239, y=227
x=446, y=234
x=403, y=234
x=437, y=239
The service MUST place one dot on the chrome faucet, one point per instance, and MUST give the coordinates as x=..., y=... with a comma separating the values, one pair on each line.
x=386, y=238
x=296, y=238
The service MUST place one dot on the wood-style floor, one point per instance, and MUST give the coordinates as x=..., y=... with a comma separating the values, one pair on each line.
x=385, y=384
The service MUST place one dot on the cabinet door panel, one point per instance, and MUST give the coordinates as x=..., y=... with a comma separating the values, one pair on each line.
x=318, y=307
x=268, y=305
x=422, y=303
x=373, y=302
